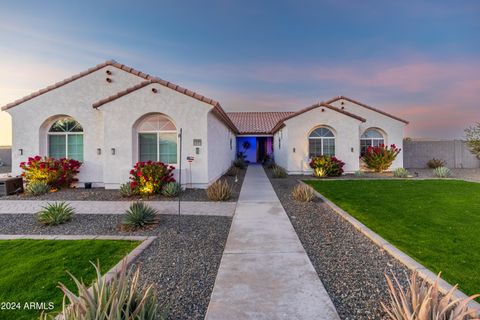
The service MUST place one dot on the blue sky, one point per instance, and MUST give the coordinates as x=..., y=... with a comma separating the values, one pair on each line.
x=416, y=59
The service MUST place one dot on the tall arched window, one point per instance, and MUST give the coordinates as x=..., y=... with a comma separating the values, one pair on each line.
x=65, y=139
x=157, y=139
x=321, y=142
x=370, y=138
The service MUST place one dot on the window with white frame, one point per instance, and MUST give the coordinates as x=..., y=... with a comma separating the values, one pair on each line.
x=321, y=142
x=370, y=138
x=65, y=139
x=157, y=139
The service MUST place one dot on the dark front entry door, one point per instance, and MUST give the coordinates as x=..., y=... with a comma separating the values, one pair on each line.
x=261, y=149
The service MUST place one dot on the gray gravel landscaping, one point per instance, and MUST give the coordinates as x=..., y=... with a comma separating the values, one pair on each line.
x=350, y=265
x=101, y=194
x=182, y=265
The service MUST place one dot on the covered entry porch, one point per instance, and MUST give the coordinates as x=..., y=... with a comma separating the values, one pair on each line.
x=256, y=149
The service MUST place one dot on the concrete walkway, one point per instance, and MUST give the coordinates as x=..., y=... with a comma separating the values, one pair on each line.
x=119, y=207
x=265, y=273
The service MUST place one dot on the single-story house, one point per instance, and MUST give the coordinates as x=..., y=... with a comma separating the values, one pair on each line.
x=112, y=116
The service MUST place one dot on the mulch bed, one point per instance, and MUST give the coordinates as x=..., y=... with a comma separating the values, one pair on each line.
x=350, y=265
x=182, y=262
x=102, y=194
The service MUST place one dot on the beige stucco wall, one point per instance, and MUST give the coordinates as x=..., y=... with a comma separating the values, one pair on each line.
x=31, y=119
x=220, y=155
x=393, y=130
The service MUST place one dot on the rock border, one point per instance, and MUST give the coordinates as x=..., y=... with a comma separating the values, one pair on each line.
x=409, y=262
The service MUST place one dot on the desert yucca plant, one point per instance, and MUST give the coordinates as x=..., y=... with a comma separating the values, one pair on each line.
x=442, y=172
x=220, y=190
x=38, y=187
x=401, y=173
x=279, y=172
x=126, y=190
x=120, y=298
x=55, y=213
x=302, y=193
x=139, y=216
x=423, y=301
x=171, y=189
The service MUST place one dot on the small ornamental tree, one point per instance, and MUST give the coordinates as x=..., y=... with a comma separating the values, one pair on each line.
x=473, y=139
x=149, y=177
x=326, y=166
x=57, y=173
x=380, y=158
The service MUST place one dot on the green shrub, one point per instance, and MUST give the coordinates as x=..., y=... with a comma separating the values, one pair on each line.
x=220, y=190
x=171, y=189
x=326, y=166
x=139, y=216
x=149, y=177
x=126, y=190
x=435, y=163
x=421, y=300
x=380, y=158
x=233, y=171
x=56, y=173
x=441, y=172
x=240, y=163
x=279, y=172
x=122, y=297
x=38, y=187
x=401, y=173
x=55, y=213
x=303, y=193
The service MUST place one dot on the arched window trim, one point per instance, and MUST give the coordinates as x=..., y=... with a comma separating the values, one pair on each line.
x=366, y=142
x=69, y=134
x=158, y=137
x=326, y=145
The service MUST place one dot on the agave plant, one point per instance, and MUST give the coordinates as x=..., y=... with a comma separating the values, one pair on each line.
x=55, y=213
x=38, y=187
x=220, y=190
x=171, y=189
x=279, y=172
x=401, y=173
x=302, y=193
x=139, y=216
x=423, y=301
x=126, y=190
x=441, y=172
x=120, y=298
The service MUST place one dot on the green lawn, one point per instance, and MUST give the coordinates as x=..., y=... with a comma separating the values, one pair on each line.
x=436, y=222
x=31, y=269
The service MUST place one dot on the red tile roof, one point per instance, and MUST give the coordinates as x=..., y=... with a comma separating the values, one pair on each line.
x=257, y=122
x=280, y=124
x=366, y=106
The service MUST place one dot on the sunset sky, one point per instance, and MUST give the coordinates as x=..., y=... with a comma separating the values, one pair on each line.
x=419, y=60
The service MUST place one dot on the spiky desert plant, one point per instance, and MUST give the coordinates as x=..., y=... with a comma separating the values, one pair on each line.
x=401, y=173
x=126, y=190
x=423, y=301
x=442, y=172
x=233, y=171
x=139, y=216
x=279, y=172
x=240, y=163
x=38, y=187
x=171, y=189
x=435, y=163
x=55, y=213
x=302, y=193
x=220, y=190
x=120, y=298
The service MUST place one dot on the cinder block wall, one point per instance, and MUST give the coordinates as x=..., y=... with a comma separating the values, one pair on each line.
x=416, y=153
x=6, y=155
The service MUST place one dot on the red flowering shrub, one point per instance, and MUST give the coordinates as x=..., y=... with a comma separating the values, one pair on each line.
x=56, y=173
x=150, y=177
x=380, y=158
x=326, y=166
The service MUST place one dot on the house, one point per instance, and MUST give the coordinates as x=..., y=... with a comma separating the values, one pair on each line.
x=112, y=116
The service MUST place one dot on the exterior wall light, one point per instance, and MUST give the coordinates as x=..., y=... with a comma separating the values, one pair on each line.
x=113, y=151
x=293, y=150
x=20, y=151
x=99, y=151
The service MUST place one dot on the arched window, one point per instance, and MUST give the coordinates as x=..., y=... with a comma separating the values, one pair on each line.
x=321, y=142
x=65, y=139
x=157, y=139
x=370, y=138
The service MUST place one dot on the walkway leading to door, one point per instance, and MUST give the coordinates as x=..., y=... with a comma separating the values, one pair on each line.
x=265, y=273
